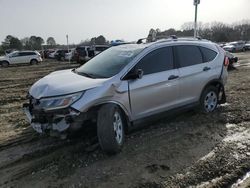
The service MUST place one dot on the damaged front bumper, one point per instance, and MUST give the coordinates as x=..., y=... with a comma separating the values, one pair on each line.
x=58, y=120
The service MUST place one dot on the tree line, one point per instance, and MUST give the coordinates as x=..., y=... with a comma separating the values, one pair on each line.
x=214, y=31
x=38, y=43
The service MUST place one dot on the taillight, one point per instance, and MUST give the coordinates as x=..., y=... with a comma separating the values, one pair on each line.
x=226, y=61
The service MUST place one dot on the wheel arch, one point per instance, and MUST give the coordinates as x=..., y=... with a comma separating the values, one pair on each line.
x=218, y=84
x=33, y=59
x=4, y=61
x=123, y=109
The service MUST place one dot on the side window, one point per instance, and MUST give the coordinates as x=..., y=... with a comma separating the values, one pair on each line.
x=31, y=53
x=16, y=54
x=157, y=61
x=208, y=55
x=22, y=54
x=188, y=55
x=26, y=53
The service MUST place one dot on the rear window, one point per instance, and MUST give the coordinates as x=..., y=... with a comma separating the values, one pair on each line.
x=208, y=55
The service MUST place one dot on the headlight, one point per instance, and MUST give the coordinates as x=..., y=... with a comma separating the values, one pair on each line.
x=54, y=103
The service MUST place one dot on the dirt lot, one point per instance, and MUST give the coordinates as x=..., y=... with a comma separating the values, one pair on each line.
x=190, y=149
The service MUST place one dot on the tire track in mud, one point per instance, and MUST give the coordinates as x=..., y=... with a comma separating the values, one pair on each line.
x=22, y=150
x=38, y=154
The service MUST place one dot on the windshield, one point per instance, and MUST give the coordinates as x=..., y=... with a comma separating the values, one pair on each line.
x=109, y=62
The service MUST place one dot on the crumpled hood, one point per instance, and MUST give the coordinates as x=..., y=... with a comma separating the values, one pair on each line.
x=62, y=83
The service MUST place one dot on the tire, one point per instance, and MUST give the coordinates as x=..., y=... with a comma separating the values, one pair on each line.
x=209, y=99
x=110, y=128
x=33, y=62
x=5, y=64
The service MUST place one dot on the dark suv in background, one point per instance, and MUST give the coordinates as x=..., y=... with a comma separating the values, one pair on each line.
x=60, y=55
x=85, y=53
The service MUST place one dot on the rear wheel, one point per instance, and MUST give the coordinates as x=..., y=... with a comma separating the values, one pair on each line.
x=33, y=62
x=209, y=99
x=5, y=64
x=110, y=128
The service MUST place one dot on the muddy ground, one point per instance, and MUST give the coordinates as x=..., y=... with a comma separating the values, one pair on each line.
x=189, y=149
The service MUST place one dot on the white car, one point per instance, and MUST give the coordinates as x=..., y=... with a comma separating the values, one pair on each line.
x=19, y=57
x=52, y=55
x=70, y=54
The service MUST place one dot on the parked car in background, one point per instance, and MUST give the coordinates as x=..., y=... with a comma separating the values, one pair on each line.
x=222, y=44
x=45, y=53
x=127, y=84
x=232, y=60
x=235, y=46
x=100, y=48
x=51, y=55
x=83, y=53
x=70, y=55
x=20, y=57
x=247, y=45
x=60, y=55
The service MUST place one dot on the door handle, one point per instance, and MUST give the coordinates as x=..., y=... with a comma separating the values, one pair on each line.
x=172, y=77
x=206, y=68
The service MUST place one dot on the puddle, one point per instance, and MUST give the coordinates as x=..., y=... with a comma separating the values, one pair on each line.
x=241, y=181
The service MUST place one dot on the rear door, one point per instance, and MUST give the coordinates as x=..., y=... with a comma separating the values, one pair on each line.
x=195, y=70
x=27, y=56
x=157, y=90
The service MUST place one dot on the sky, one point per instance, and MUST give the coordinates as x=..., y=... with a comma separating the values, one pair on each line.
x=115, y=19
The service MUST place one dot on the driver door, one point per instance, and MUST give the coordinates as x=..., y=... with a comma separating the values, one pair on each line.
x=157, y=90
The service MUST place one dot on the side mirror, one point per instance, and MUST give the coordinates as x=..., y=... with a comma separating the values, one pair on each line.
x=134, y=74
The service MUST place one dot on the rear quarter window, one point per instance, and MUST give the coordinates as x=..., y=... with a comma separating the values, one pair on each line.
x=208, y=54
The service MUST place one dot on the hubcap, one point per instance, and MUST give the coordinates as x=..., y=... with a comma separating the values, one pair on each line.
x=210, y=101
x=118, y=127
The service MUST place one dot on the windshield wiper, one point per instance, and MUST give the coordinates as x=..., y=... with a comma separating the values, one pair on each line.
x=89, y=75
x=85, y=74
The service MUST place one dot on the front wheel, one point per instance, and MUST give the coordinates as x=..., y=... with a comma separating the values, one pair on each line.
x=209, y=99
x=5, y=64
x=110, y=128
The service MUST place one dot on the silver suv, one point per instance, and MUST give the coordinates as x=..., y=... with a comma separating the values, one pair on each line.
x=126, y=84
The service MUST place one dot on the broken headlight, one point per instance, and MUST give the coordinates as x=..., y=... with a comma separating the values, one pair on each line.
x=54, y=103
